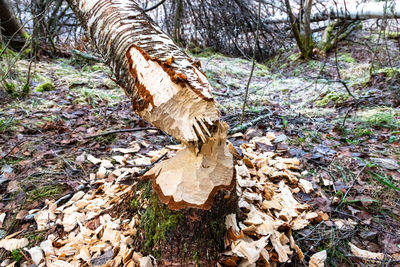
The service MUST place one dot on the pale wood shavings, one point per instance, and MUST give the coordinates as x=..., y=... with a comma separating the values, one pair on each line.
x=365, y=254
x=318, y=259
x=13, y=243
x=266, y=184
x=250, y=250
x=36, y=254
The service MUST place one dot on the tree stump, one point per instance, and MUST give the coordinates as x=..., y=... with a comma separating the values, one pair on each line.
x=187, y=237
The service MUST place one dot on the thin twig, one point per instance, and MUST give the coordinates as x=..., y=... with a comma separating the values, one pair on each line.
x=351, y=186
x=155, y=6
x=253, y=63
x=16, y=145
x=242, y=127
x=120, y=131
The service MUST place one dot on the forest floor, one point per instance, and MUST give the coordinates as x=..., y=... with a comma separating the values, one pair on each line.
x=348, y=140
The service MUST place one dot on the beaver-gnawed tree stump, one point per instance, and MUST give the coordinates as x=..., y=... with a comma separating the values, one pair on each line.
x=187, y=237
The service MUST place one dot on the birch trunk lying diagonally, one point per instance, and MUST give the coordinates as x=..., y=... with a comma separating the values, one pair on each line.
x=166, y=88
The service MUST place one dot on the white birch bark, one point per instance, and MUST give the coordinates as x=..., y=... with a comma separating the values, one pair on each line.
x=166, y=86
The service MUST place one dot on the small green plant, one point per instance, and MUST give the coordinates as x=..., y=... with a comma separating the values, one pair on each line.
x=134, y=203
x=195, y=257
x=285, y=122
x=11, y=88
x=360, y=132
x=36, y=237
x=16, y=255
x=385, y=180
x=6, y=124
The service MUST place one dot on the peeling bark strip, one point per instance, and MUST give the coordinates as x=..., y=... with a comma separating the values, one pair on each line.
x=166, y=88
x=164, y=84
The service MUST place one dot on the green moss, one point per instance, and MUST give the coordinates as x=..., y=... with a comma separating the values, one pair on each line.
x=392, y=35
x=45, y=87
x=11, y=88
x=205, y=52
x=157, y=221
x=313, y=64
x=389, y=72
x=43, y=192
x=346, y=57
x=381, y=119
x=332, y=97
x=36, y=237
x=359, y=132
x=107, y=140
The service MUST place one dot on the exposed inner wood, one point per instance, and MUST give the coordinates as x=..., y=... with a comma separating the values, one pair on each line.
x=192, y=179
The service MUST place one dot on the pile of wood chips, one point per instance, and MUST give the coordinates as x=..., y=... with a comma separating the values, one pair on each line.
x=92, y=237
x=266, y=184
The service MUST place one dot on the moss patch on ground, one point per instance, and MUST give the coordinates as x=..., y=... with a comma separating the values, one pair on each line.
x=332, y=97
x=45, y=87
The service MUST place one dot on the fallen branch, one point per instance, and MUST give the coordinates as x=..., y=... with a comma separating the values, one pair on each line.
x=353, y=11
x=120, y=131
x=246, y=125
x=86, y=56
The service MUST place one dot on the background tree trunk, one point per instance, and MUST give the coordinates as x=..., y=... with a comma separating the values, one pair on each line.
x=11, y=29
x=177, y=21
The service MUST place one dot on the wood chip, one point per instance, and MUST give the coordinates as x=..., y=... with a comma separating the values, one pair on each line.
x=13, y=243
x=365, y=254
x=305, y=186
x=318, y=259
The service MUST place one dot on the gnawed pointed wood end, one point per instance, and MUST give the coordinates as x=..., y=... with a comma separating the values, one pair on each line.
x=190, y=180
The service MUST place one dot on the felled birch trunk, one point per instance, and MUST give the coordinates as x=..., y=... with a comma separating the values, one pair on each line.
x=168, y=89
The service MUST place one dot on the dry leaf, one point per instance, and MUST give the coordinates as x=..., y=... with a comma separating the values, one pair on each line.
x=130, y=150
x=2, y=217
